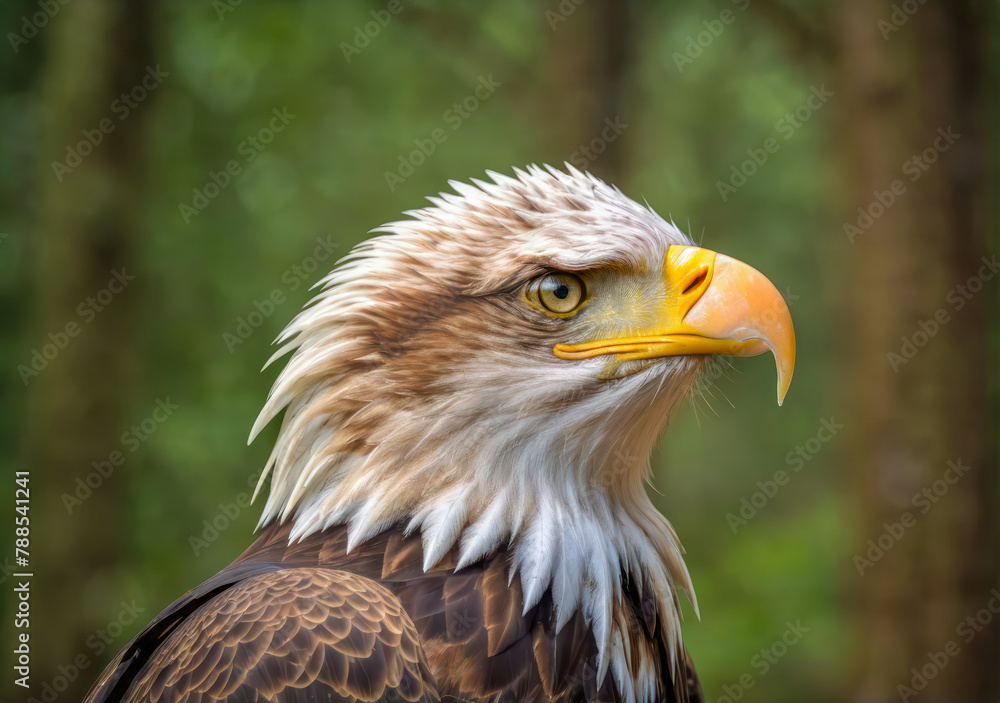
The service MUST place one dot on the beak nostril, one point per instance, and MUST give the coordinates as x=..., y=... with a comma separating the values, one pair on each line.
x=696, y=282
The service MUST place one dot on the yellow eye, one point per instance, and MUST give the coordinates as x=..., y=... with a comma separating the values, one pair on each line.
x=560, y=293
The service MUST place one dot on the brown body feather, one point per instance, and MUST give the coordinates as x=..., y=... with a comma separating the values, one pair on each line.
x=309, y=622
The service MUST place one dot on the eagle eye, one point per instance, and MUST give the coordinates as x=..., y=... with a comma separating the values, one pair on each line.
x=559, y=293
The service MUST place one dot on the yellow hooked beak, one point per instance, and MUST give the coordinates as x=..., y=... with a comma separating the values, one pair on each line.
x=713, y=305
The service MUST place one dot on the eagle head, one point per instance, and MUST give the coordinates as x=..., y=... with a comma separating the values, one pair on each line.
x=494, y=372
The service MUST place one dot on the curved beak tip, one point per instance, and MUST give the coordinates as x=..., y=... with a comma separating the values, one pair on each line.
x=784, y=362
x=782, y=389
x=741, y=303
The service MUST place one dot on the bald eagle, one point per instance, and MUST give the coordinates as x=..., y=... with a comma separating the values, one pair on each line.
x=457, y=506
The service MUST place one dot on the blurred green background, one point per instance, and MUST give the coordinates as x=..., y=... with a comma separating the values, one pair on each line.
x=697, y=90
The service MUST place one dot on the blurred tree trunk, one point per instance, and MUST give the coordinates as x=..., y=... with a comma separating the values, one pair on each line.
x=89, y=220
x=911, y=79
x=588, y=56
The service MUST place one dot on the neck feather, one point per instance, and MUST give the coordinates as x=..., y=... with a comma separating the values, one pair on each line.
x=563, y=490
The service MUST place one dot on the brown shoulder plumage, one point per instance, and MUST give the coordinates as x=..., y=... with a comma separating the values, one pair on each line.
x=291, y=635
x=307, y=621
